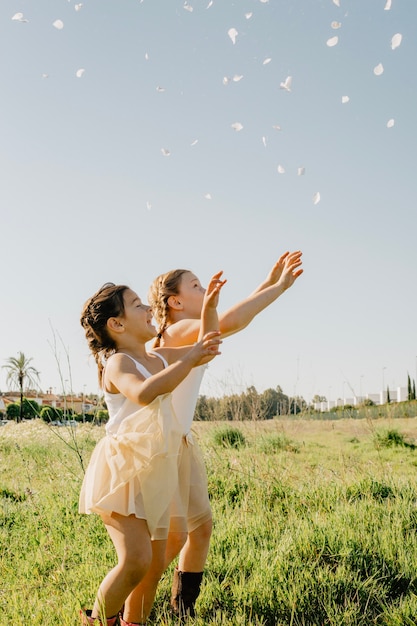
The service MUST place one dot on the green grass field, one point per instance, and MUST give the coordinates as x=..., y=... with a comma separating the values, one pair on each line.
x=315, y=523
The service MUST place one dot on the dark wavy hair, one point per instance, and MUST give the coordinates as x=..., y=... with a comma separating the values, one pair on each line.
x=105, y=303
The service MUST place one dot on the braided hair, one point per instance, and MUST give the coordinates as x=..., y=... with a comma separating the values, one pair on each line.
x=105, y=303
x=164, y=286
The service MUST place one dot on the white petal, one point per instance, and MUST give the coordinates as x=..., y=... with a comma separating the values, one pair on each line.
x=387, y=5
x=237, y=126
x=18, y=17
x=248, y=15
x=59, y=24
x=165, y=151
x=226, y=80
x=333, y=41
x=188, y=7
x=80, y=72
x=336, y=25
x=78, y=6
x=207, y=196
x=160, y=89
x=264, y=1
x=194, y=141
x=396, y=41
x=286, y=84
x=301, y=171
x=146, y=56
x=148, y=205
x=280, y=169
x=266, y=61
x=210, y=4
x=276, y=127
x=378, y=69
x=390, y=123
x=264, y=141
x=336, y=2
x=45, y=75
x=237, y=78
x=232, y=32
x=316, y=198
x=345, y=99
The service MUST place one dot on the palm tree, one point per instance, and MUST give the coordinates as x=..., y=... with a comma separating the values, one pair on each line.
x=19, y=370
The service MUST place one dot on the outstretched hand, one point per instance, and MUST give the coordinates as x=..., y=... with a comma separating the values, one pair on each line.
x=277, y=269
x=207, y=347
x=211, y=297
x=291, y=268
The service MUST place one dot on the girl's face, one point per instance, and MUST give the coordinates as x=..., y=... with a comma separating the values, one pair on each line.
x=191, y=295
x=137, y=317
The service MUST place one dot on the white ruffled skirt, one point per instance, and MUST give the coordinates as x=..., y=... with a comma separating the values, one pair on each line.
x=135, y=472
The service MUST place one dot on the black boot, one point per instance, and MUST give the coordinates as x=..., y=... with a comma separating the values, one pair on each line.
x=184, y=593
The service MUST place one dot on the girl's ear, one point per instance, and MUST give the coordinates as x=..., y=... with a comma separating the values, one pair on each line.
x=115, y=325
x=174, y=302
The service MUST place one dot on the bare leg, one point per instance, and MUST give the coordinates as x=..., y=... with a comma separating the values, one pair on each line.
x=132, y=542
x=175, y=543
x=193, y=556
x=139, y=603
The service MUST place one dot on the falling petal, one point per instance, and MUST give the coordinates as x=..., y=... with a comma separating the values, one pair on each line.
x=266, y=61
x=336, y=25
x=316, y=198
x=160, y=89
x=333, y=41
x=378, y=69
x=396, y=41
x=264, y=141
x=387, y=5
x=45, y=75
x=345, y=99
x=237, y=78
x=207, y=196
x=59, y=24
x=188, y=7
x=286, y=84
x=194, y=141
x=226, y=80
x=165, y=152
x=336, y=2
x=18, y=17
x=276, y=127
x=79, y=73
x=146, y=56
x=264, y=1
x=232, y=32
x=79, y=6
x=148, y=205
x=280, y=169
x=390, y=123
x=237, y=126
x=248, y=15
x=301, y=171
x=210, y=4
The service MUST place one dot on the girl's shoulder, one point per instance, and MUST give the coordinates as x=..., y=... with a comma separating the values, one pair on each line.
x=181, y=333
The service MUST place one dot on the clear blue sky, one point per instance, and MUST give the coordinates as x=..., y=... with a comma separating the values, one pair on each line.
x=87, y=195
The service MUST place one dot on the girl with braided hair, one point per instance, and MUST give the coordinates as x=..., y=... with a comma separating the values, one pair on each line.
x=176, y=298
x=133, y=471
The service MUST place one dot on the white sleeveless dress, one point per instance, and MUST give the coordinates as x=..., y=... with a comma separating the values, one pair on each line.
x=134, y=468
x=190, y=506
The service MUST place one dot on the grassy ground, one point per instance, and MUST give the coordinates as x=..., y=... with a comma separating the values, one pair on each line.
x=315, y=524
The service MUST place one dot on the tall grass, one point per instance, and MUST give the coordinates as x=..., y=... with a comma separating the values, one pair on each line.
x=315, y=523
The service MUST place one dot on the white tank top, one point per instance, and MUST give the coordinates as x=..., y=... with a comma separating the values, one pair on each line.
x=118, y=405
x=185, y=396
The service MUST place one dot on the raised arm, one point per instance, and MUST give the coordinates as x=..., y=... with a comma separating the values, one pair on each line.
x=209, y=315
x=281, y=277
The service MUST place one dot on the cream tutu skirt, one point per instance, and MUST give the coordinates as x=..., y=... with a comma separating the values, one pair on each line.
x=136, y=470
